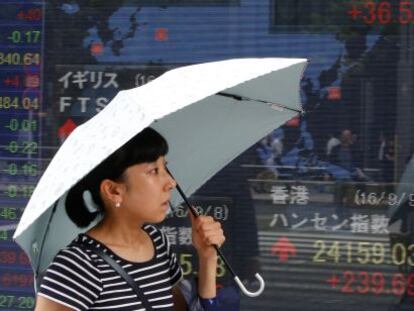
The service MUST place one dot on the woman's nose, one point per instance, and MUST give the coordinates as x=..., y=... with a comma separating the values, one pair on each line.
x=171, y=181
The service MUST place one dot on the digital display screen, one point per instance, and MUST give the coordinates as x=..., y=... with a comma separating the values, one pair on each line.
x=321, y=207
x=334, y=16
x=21, y=67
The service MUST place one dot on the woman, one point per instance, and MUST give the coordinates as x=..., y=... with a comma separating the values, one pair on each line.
x=130, y=190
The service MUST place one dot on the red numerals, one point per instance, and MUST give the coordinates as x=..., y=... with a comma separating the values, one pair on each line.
x=398, y=284
x=363, y=282
x=349, y=282
x=8, y=257
x=16, y=280
x=371, y=17
x=377, y=283
x=406, y=14
x=34, y=14
x=13, y=257
x=382, y=12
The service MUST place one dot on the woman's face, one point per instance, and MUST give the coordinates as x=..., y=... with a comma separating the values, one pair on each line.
x=147, y=191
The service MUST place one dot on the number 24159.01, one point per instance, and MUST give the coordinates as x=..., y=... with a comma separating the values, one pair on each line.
x=363, y=253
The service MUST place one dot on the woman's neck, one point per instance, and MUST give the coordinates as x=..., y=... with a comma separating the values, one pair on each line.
x=113, y=232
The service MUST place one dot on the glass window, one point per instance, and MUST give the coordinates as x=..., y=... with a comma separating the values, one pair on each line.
x=322, y=206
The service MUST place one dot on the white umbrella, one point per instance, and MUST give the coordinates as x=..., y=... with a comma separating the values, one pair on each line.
x=208, y=113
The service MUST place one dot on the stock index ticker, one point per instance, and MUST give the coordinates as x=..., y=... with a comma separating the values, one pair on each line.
x=339, y=252
x=20, y=112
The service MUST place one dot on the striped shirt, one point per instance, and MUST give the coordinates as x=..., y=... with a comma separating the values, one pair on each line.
x=81, y=280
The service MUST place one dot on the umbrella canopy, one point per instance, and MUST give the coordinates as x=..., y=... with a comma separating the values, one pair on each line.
x=208, y=113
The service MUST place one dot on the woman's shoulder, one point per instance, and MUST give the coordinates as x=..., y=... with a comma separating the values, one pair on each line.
x=158, y=236
x=152, y=230
x=80, y=251
x=73, y=278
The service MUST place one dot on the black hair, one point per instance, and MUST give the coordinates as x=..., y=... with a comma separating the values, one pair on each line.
x=147, y=146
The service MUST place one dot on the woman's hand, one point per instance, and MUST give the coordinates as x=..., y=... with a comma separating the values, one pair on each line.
x=206, y=232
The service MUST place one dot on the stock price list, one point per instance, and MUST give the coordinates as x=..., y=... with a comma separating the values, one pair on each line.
x=371, y=268
x=20, y=109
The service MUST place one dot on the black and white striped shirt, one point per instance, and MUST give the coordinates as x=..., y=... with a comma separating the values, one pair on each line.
x=81, y=280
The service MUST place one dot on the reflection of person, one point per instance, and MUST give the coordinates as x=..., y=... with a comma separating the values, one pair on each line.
x=277, y=137
x=270, y=149
x=332, y=142
x=345, y=156
x=386, y=158
x=130, y=190
x=265, y=151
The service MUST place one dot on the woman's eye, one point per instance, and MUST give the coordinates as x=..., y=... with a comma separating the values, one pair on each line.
x=154, y=171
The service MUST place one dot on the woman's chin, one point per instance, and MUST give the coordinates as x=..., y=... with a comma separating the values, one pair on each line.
x=165, y=208
x=162, y=214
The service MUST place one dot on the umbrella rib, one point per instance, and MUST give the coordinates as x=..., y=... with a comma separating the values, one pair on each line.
x=44, y=237
x=238, y=97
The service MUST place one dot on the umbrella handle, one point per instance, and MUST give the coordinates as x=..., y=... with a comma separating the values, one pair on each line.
x=235, y=277
x=247, y=292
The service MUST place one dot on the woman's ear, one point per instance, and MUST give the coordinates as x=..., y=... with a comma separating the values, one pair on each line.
x=112, y=191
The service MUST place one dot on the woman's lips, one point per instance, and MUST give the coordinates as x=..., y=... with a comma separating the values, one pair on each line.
x=165, y=205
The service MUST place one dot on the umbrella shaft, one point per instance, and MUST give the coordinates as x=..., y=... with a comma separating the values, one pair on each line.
x=225, y=261
x=196, y=214
x=192, y=209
